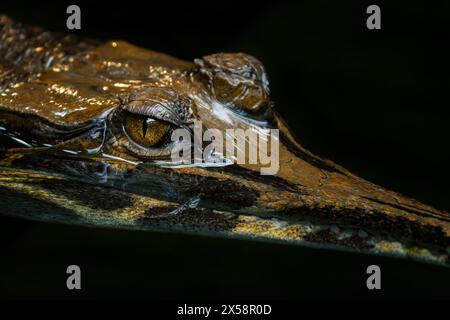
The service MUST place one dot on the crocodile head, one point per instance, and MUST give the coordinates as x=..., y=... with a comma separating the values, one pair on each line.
x=88, y=130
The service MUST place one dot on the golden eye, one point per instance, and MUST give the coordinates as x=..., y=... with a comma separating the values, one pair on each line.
x=146, y=131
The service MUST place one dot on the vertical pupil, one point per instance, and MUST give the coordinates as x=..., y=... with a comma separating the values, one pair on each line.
x=145, y=125
x=144, y=128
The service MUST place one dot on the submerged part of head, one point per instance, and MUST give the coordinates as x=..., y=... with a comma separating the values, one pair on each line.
x=100, y=119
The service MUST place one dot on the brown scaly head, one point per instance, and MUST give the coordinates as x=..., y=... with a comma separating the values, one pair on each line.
x=87, y=130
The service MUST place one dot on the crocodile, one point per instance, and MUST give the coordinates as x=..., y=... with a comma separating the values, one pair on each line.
x=85, y=128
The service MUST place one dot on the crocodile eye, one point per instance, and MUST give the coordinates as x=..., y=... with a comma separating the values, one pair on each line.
x=146, y=131
x=247, y=96
x=238, y=80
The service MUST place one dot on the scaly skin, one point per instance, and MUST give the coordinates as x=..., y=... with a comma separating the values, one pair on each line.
x=66, y=158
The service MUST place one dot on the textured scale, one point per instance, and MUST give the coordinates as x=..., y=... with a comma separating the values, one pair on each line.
x=65, y=158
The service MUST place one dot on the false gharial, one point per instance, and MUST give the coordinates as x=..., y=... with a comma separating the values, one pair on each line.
x=86, y=139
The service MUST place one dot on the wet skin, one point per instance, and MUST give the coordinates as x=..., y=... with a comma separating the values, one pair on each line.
x=85, y=128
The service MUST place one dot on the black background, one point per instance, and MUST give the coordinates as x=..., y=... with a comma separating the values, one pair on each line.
x=374, y=101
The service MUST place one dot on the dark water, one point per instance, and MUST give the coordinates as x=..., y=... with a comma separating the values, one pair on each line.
x=374, y=102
